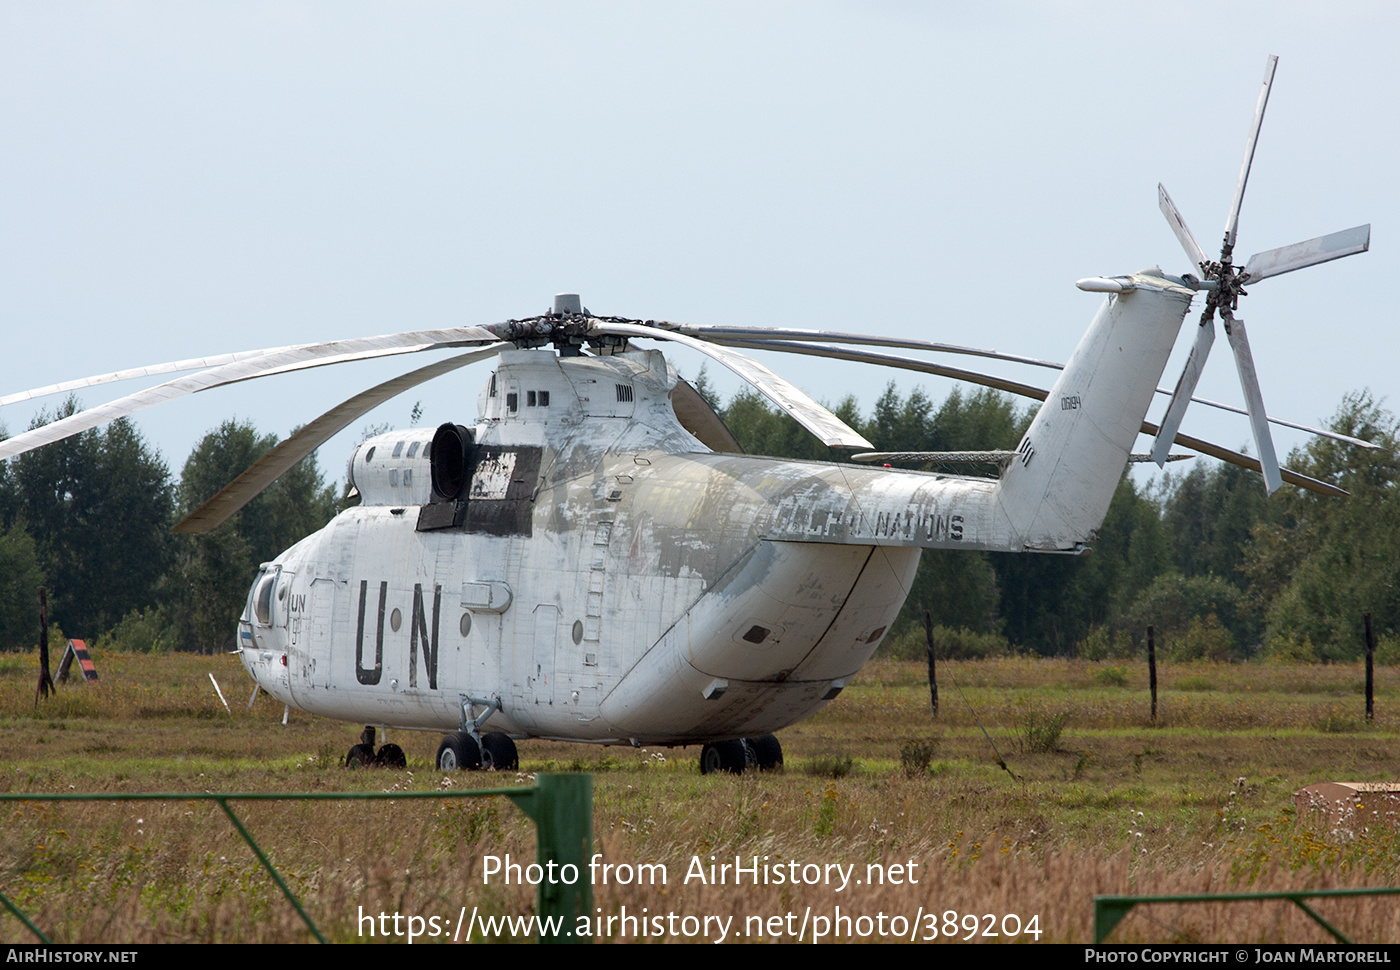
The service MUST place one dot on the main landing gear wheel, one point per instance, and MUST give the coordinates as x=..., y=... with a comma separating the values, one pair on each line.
x=458, y=752
x=360, y=756
x=498, y=752
x=763, y=752
x=390, y=756
x=723, y=756
x=768, y=751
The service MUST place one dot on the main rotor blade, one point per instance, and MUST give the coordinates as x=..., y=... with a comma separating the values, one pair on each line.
x=829, y=429
x=1185, y=386
x=1232, y=223
x=202, y=363
x=1183, y=234
x=1285, y=259
x=308, y=438
x=131, y=373
x=1248, y=461
x=1036, y=393
x=725, y=334
x=275, y=361
x=1249, y=383
x=890, y=360
x=953, y=372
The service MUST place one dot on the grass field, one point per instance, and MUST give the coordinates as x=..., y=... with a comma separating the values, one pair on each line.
x=1097, y=799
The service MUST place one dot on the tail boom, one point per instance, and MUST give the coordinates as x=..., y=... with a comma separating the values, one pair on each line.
x=1057, y=491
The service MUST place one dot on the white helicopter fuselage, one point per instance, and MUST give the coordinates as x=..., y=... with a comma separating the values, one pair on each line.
x=605, y=577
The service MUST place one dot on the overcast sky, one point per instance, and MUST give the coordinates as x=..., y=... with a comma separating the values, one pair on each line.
x=186, y=179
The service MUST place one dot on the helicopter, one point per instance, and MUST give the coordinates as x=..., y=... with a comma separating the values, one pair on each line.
x=594, y=558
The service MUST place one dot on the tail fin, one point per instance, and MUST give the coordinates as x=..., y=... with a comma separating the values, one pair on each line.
x=1057, y=491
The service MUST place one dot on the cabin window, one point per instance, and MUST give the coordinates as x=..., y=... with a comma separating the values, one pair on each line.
x=413, y=448
x=529, y=399
x=756, y=634
x=512, y=402
x=544, y=399
x=393, y=476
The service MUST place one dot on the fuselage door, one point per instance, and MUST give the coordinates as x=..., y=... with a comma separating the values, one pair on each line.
x=318, y=636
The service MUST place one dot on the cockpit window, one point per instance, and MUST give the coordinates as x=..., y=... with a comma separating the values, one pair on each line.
x=413, y=448
x=262, y=599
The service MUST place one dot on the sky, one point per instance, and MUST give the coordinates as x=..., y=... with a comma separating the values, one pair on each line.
x=179, y=180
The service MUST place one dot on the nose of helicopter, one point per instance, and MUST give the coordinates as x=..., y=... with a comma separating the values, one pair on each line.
x=264, y=663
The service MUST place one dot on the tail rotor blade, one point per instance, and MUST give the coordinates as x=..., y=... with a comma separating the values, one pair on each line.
x=1185, y=387
x=1232, y=224
x=1254, y=400
x=1286, y=259
x=1183, y=234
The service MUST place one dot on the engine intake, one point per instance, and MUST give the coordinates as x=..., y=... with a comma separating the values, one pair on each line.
x=454, y=450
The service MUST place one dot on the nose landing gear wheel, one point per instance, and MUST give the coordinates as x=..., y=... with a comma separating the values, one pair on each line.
x=499, y=752
x=458, y=752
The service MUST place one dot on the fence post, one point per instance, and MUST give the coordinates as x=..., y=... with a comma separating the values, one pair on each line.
x=1370, y=670
x=1152, y=670
x=562, y=808
x=932, y=669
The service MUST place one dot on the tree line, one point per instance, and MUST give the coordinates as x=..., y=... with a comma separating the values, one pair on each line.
x=1217, y=568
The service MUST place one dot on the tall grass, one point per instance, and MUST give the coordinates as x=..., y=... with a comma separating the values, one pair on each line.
x=1116, y=804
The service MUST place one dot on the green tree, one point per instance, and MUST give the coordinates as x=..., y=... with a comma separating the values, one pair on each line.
x=1052, y=603
x=20, y=579
x=98, y=506
x=1210, y=515
x=762, y=430
x=1194, y=617
x=1318, y=562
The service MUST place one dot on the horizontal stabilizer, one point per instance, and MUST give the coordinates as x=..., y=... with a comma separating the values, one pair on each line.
x=1138, y=458
x=999, y=458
